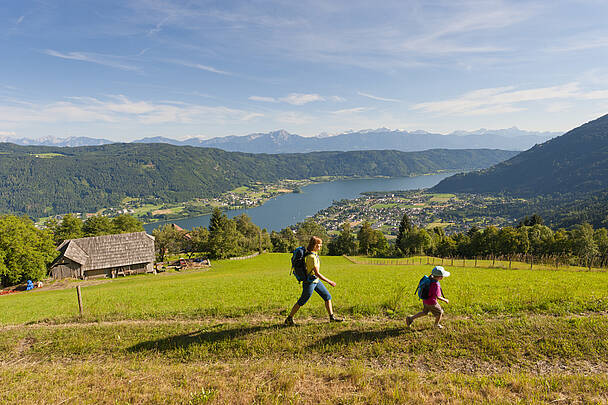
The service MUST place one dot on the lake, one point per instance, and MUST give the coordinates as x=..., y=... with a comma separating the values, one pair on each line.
x=289, y=209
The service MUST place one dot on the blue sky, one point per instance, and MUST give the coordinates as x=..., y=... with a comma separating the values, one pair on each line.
x=128, y=69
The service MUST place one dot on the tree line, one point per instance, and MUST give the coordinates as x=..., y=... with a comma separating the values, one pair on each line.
x=26, y=251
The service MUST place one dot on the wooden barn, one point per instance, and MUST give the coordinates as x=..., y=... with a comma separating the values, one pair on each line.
x=105, y=256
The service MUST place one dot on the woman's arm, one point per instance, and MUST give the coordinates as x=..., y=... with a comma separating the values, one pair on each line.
x=322, y=277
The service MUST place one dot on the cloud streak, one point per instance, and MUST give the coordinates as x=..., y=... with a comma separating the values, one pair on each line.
x=202, y=67
x=301, y=98
x=392, y=100
x=350, y=111
x=501, y=100
x=121, y=109
x=105, y=60
x=263, y=99
x=294, y=98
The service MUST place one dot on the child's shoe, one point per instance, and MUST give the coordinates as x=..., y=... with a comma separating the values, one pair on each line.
x=332, y=318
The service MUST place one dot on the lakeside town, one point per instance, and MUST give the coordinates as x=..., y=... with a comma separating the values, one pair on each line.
x=384, y=210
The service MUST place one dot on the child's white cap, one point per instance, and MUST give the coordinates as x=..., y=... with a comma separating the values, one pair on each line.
x=440, y=271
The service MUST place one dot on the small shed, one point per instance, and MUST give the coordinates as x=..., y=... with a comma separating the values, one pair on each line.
x=105, y=256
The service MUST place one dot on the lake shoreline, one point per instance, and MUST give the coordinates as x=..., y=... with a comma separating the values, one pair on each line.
x=296, y=186
x=290, y=208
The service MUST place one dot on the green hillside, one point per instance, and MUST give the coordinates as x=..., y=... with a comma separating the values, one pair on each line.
x=574, y=162
x=40, y=181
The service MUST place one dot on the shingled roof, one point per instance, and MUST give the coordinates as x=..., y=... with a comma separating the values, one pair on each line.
x=101, y=252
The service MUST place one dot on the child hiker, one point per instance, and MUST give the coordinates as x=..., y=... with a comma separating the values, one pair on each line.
x=313, y=282
x=429, y=300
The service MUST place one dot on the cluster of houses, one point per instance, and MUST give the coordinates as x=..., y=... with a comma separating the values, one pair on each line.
x=382, y=210
x=385, y=210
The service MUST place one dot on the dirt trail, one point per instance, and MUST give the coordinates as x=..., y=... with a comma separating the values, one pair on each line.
x=255, y=320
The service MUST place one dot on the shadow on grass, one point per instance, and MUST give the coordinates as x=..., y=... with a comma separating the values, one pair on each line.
x=348, y=337
x=204, y=336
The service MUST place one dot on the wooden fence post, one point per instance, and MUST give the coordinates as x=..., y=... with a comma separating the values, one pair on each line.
x=79, y=294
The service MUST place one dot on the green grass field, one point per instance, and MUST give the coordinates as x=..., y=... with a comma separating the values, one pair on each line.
x=442, y=197
x=511, y=336
x=48, y=155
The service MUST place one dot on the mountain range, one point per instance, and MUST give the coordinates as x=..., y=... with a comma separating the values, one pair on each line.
x=283, y=142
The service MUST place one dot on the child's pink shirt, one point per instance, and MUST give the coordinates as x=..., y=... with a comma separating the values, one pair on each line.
x=434, y=292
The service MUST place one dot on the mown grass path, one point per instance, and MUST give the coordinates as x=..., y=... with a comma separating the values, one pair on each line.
x=217, y=337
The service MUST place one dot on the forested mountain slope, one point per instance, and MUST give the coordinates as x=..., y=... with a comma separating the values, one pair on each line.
x=574, y=162
x=36, y=180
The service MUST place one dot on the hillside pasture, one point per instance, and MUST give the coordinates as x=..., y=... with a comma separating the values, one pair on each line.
x=511, y=336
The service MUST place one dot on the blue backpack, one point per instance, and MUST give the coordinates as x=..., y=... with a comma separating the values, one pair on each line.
x=423, y=287
x=298, y=264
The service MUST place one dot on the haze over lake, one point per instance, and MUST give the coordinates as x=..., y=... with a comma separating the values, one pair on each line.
x=289, y=209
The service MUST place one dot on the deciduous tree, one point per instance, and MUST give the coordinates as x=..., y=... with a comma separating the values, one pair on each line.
x=25, y=251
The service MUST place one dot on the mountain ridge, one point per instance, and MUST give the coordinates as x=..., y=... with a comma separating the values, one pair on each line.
x=281, y=141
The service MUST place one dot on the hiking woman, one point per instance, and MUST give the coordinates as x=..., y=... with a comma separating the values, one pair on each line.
x=313, y=282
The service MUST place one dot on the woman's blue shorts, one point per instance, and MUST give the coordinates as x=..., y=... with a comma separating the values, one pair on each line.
x=307, y=290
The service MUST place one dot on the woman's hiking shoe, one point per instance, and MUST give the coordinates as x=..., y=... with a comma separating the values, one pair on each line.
x=439, y=326
x=332, y=318
x=408, y=321
x=289, y=321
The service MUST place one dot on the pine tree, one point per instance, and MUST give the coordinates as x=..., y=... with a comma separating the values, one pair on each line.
x=215, y=222
x=405, y=226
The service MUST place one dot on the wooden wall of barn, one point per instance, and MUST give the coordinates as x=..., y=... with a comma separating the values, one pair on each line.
x=67, y=269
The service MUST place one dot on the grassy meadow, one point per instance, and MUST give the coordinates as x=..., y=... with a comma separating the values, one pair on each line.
x=216, y=336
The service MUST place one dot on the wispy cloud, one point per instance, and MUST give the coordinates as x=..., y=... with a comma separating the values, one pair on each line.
x=158, y=27
x=20, y=20
x=378, y=98
x=379, y=36
x=7, y=133
x=201, y=67
x=301, y=99
x=105, y=60
x=350, y=110
x=294, y=98
x=507, y=99
x=591, y=40
x=263, y=99
x=121, y=109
